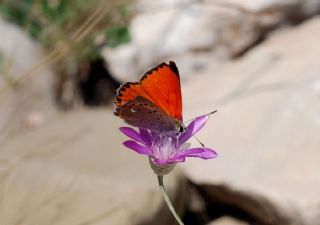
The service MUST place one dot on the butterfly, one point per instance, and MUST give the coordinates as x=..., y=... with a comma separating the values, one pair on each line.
x=154, y=102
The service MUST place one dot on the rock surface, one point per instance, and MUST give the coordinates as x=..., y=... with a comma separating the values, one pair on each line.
x=201, y=28
x=227, y=221
x=279, y=11
x=32, y=102
x=74, y=171
x=266, y=129
x=200, y=34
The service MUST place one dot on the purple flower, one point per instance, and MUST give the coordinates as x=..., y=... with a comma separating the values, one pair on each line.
x=165, y=149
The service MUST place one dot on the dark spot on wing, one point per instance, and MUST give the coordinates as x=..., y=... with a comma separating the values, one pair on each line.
x=174, y=68
x=125, y=86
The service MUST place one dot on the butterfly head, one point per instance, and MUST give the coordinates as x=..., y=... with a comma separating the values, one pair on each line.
x=181, y=127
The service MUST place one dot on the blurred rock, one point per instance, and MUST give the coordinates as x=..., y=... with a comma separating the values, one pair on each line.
x=266, y=129
x=30, y=103
x=199, y=34
x=227, y=221
x=277, y=12
x=73, y=170
x=179, y=31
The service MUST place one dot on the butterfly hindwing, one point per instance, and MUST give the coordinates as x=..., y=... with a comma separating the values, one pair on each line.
x=140, y=112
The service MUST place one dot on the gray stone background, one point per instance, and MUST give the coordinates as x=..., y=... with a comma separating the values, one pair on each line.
x=256, y=61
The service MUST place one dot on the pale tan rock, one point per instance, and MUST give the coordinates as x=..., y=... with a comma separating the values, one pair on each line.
x=271, y=14
x=74, y=170
x=179, y=31
x=286, y=10
x=227, y=221
x=200, y=33
x=266, y=130
x=32, y=102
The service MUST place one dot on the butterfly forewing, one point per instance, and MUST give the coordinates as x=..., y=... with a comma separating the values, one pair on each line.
x=161, y=86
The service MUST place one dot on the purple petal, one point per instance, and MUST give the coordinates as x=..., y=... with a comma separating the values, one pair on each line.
x=132, y=133
x=145, y=136
x=193, y=128
x=189, y=151
x=204, y=153
x=138, y=148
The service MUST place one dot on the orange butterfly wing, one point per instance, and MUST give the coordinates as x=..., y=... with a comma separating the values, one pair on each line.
x=161, y=86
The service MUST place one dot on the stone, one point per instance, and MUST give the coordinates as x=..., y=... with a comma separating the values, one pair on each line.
x=74, y=170
x=200, y=34
x=226, y=220
x=32, y=102
x=266, y=130
x=271, y=13
x=178, y=32
x=289, y=7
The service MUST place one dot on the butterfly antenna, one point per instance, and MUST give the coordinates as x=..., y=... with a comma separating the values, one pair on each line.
x=199, y=141
x=213, y=112
x=208, y=114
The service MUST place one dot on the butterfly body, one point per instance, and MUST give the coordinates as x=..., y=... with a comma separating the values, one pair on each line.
x=154, y=102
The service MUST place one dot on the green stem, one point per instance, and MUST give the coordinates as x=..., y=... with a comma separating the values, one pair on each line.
x=168, y=202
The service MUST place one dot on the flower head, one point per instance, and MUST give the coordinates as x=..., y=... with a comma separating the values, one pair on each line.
x=166, y=149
